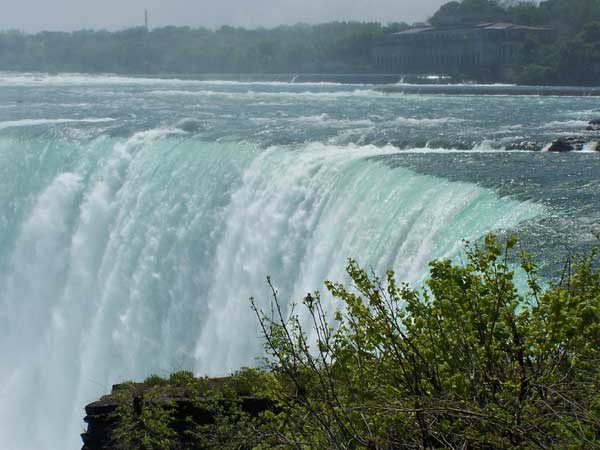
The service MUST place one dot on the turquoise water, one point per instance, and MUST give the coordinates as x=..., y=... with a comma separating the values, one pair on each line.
x=138, y=216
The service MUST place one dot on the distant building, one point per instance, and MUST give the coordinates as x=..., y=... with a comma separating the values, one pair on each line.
x=486, y=50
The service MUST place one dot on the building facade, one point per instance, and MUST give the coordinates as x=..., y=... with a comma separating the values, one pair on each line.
x=485, y=50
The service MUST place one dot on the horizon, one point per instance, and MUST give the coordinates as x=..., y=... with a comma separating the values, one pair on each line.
x=113, y=15
x=210, y=28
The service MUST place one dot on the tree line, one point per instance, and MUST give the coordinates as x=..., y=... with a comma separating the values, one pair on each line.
x=340, y=47
x=337, y=47
x=574, y=58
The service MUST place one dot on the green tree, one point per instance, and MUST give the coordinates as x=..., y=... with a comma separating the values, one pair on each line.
x=468, y=12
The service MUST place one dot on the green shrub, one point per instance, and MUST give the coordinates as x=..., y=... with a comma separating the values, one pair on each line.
x=155, y=380
x=466, y=362
x=183, y=378
x=144, y=422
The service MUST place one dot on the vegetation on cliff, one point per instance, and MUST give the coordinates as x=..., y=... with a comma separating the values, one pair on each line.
x=467, y=361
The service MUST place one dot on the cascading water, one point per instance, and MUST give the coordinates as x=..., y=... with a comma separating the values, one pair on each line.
x=134, y=256
x=137, y=216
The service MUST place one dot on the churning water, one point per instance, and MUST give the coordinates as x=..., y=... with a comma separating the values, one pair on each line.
x=138, y=216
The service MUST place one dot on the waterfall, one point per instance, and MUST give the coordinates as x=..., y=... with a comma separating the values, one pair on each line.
x=124, y=257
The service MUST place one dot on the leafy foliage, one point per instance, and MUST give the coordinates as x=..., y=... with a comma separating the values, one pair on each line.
x=184, y=412
x=466, y=362
x=143, y=424
x=468, y=12
x=573, y=59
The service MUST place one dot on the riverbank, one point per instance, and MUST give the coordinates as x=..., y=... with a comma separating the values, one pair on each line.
x=490, y=89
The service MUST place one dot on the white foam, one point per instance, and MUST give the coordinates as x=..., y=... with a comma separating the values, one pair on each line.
x=298, y=215
x=426, y=121
x=37, y=122
x=567, y=124
x=318, y=120
x=584, y=113
x=77, y=79
x=29, y=294
x=255, y=95
x=590, y=147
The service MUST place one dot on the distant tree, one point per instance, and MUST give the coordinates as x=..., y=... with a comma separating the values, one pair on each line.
x=524, y=13
x=328, y=48
x=447, y=14
x=468, y=12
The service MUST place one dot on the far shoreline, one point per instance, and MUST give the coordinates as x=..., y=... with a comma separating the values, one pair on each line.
x=383, y=83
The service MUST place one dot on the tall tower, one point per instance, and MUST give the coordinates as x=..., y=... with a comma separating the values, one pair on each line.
x=146, y=19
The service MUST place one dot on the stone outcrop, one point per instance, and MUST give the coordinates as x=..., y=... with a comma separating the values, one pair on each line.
x=191, y=125
x=588, y=142
x=572, y=143
x=102, y=420
x=100, y=424
x=594, y=125
x=566, y=144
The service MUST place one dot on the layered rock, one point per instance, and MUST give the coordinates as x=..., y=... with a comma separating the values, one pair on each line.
x=594, y=125
x=103, y=419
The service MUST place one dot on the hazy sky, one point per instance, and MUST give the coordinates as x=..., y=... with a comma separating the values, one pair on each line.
x=36, y=15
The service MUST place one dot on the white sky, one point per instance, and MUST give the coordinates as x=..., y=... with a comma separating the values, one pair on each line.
x=68, y=15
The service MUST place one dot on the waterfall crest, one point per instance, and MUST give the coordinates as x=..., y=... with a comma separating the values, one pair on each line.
x=123, y=257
